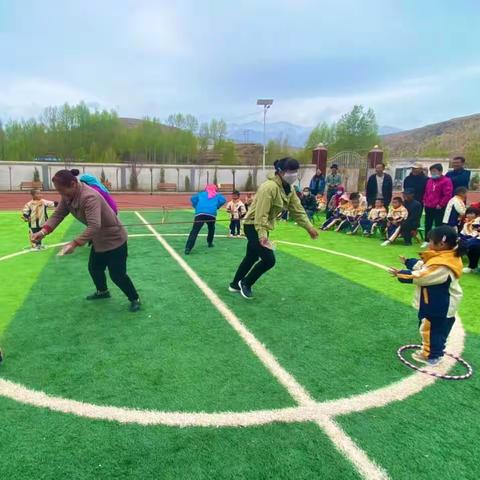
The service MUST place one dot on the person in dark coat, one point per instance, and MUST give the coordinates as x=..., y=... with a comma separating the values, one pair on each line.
x=417, y=181
x=317, y=183
x=414, y=209
x=459, y=176
x=379, y=185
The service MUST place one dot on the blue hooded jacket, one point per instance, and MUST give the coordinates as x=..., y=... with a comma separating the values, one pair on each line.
x=204, y=205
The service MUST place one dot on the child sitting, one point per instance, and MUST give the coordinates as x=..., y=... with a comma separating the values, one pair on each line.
x=438, y=291
x=339, y=214
x=377, y=217
x=455, y=209
x=334, y=201
x=397, y=214
x=35, y=213
x=353, y=215
x=237, y=211
x=470, y=234
x=309, y=203
x=321, y=205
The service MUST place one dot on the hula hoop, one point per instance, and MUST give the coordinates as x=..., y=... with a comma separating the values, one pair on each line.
x=434, y=374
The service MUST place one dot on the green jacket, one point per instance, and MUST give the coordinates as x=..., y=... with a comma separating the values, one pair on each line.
x=269, y=202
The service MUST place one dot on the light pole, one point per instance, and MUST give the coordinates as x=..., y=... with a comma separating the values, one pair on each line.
x=266, y=103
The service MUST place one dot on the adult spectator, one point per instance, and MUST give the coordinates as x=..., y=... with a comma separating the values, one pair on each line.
x=459, y=176
x=379, y=185
x=414, y=208
x=309, y=203
x=333, y=181
x=317, y=183
x=417, y=180
x=438, y=192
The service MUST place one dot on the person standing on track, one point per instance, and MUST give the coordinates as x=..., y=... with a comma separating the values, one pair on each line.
x=206, y=205
x=273, y=197
x=104, y=230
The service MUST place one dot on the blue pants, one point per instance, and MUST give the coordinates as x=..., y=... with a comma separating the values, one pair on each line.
x=393, y=231
x=369, y=225
x=434, y=332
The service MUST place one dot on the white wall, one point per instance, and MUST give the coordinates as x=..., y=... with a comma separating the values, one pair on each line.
x=13, y=173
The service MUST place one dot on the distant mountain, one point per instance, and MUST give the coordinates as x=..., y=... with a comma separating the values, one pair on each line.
x=296, y=135
x=386, y=130
x=453, y=137
x=252, y=132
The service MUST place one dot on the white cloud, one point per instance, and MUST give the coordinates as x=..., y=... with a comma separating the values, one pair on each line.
x=157, y=29
x=27, y=97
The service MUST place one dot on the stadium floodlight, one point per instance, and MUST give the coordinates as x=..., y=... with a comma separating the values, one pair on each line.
x=266, y=104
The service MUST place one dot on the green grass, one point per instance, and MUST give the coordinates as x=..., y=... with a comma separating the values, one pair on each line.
x=333, y=323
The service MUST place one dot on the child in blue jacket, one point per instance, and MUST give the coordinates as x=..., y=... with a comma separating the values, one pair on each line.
x=206, y=205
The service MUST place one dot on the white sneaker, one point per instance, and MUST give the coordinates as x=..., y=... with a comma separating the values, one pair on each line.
x=386, y=243
x=424, y=245
x=468, y=270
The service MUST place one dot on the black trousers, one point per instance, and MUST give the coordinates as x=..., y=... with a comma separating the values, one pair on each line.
x=116, y=262
x=407, y=229
x=473, y=256
x=199, y=221
x=433, y=216
x=257, y=260
x=235, y=227
x=36, y=230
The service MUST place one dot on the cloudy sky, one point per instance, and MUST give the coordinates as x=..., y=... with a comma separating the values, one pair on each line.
x=414, y=61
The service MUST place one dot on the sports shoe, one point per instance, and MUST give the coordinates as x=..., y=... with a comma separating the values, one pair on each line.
x=234, y=288
x=187, y=251
x=99, y=295
x=468, y=270
x=135, y=306
x=424, y=245
x=245, y=290
x=211, y=245
x=432, y=362
x=386, y=243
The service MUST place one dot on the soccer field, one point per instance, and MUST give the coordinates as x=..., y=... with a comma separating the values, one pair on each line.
x=302, y=382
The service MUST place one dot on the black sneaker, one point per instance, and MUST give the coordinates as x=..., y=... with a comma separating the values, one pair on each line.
x=187, y=251
x=234, y=288
x=1, y=356
x=99, y=295
x=211, y=245
x=245, y=290
x=135, y=306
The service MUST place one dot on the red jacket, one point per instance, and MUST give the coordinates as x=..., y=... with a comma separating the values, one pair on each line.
x=438, y=192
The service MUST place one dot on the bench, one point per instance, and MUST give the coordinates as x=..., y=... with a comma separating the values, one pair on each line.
x=167, y=187
x=30, y=185
x=225, y=187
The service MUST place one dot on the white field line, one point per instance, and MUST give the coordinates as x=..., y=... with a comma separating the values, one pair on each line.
x=292, y=386
x=367, y=468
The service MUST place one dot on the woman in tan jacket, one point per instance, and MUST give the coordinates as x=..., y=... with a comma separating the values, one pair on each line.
x=104, y=230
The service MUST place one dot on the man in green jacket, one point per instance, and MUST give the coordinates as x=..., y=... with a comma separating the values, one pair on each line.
x=273, y=197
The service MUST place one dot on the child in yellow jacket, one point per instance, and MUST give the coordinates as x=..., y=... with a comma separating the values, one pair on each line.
x=438, y=293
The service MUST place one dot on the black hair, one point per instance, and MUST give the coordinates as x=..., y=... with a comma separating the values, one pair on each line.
x=379, y=200
x=461, y=191
x=459, y=157
x=474, y=210
x=236, y=192
x=448, y=235
x=436, y=166
x=65, y=177
x=286, y=163
x=398, y=199
x=334, y=165
x=75, y=172
x=355, y=196
x=33, y=191
x=380, y=163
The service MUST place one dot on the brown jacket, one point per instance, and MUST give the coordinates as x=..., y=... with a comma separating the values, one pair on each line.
x=104, y=228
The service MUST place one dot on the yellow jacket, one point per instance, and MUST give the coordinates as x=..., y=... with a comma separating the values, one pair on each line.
x=269, y=202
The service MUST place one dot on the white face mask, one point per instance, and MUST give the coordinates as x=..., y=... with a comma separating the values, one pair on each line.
x=290, y=177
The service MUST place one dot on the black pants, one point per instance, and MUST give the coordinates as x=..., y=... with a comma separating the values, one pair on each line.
x=260, y=258
x=36, y=230
x=433, y=216
x=116, y=262
x=407, y=229
x=330, y=194
x=473, y=256
x=235, y=227
x=199, y=221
